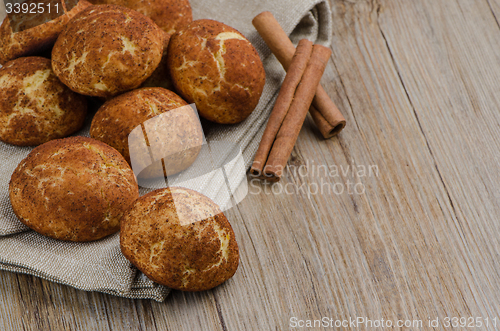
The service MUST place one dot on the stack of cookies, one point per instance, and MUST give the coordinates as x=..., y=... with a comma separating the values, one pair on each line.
x=142, y=61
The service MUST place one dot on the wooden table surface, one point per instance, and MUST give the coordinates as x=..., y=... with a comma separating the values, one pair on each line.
x=415, y=239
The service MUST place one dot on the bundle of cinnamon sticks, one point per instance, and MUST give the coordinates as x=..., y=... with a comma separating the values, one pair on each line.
x=299, y=93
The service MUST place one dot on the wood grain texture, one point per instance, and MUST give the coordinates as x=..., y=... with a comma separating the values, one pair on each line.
x=418, y=84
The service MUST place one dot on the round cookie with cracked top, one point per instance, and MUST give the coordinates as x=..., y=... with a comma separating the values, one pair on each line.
x=29, y=34
x=181, y=239
x=106, y=50
x=169, y=15
x=172, y=128
x=217, y=68
x=35, y=106
x=73, y=189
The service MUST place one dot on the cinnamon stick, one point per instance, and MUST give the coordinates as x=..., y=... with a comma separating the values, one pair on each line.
x=326, y=115
x=290, y=128
x=292, y=79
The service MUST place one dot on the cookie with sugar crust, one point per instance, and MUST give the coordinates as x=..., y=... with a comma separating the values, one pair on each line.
x=169, y=15
x=180, y=238
x=173, y=130
x=35, y=106
x=106, y=50
x=73, y=189
x=217, y=68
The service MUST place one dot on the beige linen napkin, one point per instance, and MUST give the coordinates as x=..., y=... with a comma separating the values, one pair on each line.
x=100, y=266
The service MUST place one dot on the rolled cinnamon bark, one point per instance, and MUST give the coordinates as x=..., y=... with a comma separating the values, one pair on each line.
x=283, y=102
x=289, y=130
x=326, y=115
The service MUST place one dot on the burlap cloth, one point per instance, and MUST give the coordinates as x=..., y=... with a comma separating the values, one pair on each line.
x=100, y=266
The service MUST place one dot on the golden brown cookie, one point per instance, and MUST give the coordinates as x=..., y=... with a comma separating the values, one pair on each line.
x=176, y=135
x=169, y=15
x=106, y=50
x=35, y=106
x=74, y=189
x=180, y=238
x=17, y=41
x=216, y=67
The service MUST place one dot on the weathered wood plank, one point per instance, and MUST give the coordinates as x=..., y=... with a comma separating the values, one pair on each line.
x=449, y=70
